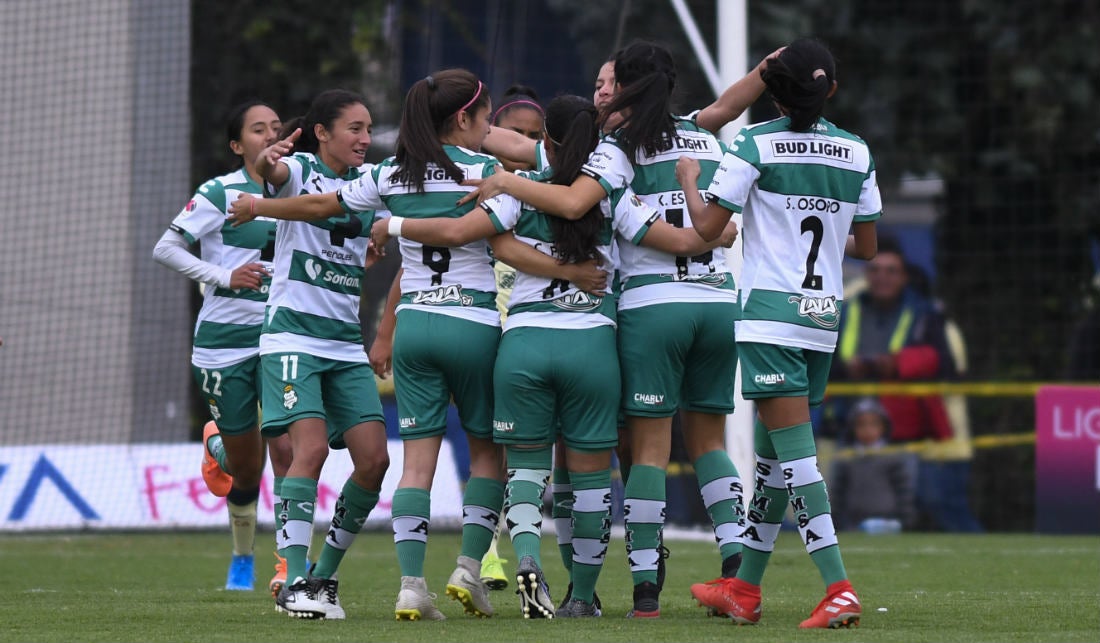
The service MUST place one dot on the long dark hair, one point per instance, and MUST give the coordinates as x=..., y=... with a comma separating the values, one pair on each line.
x=431, y=107
x=646, y=77
x=234, y=121
x=800, y=80
x=324, y=110
x=573, y=130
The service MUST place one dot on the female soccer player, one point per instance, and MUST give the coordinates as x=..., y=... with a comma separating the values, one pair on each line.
x=676, y=312
x=448, y=329
x=801, y=183
x=556, y=366
x=318, y=385
x=234, y=266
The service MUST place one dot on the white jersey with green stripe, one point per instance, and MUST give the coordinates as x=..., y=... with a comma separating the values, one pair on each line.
x=800, y=192
x=650, y=276
x=555, y=303
x=449, y=281
x=227, y=330
x=314, y=302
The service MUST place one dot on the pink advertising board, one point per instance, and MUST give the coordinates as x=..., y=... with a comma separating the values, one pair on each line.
x=1067, y=460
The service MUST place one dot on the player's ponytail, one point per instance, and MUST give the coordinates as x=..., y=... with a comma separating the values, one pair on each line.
x=572, y=129
x=800, y=79
x=646, y=77
x=431, y=107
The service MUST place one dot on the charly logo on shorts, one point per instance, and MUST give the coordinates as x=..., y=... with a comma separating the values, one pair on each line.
x=822, y=310
x=503, y=427
x=577, y=302
x=769, y=379
x=215, y=412
x=290, y=397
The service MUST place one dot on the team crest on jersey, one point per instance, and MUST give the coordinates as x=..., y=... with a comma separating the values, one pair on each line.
x=442, y=296
x=506, y=280
x=577, y=302
x=822, y=310
x=214, y=411
x=290, y=397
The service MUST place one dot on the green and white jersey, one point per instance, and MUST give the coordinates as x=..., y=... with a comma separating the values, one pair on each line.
x=449, y=281
x=314, y=302
x=800, y=192
x=650, y=276
x=554, y=303
x=227, y=330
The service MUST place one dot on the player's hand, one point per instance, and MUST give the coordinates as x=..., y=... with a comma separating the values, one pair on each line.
x=486, y=188
x=381, y=356
x=729, y=235
x=279, y=149
x=587, y=276
x=242, y=210
x=250, y=276
x=380, y=232
x=374, y=255
x=763, y=64
x=688, y=171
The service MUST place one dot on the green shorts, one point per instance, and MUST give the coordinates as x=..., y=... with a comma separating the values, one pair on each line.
x=232, y=393
x=770, y=370
x=678, y=355
x=549, y=380
x=437, y=357
x=299, y=386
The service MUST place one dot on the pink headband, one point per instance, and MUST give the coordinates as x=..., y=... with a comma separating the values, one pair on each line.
x=519, y=101
x=476, y=94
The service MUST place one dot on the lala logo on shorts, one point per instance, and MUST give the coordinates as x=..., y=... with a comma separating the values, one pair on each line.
x=442, y=296
x=577, y=302
x=823, y=310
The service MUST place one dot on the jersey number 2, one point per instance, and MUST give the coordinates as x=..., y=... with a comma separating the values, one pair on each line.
x=814, y=227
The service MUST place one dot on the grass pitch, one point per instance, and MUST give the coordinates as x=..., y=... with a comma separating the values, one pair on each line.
x=914, y=587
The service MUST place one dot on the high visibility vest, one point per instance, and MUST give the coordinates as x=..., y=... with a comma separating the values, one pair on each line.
x=849, y=339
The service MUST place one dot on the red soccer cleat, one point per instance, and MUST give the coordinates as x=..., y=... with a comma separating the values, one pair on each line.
x=729, y=597
x=839, y=608
x=217, y=481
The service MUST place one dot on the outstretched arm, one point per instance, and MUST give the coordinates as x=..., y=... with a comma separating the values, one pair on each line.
x=307, y=207
x=686, y=242
x=505, y=144
x=587, y=275
x=565, y=201
x=436, y=231
x=736, y=99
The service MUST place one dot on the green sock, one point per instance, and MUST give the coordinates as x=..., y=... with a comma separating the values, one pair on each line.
x=723, y=496
x=412, y=513
x=591, y=529
x=299, y=498
x=277, y=491
x=352, y=508
x=528, y=473
x=809, y=498
x=644, y=507
x=765, y=515
x=481, y=506
x=216, y=447
x=562, y=514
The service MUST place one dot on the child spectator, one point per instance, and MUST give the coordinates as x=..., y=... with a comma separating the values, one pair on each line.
x=872, y=486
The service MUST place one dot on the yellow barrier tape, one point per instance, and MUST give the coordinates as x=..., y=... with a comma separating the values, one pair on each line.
x=918, y=389
x=980, y=442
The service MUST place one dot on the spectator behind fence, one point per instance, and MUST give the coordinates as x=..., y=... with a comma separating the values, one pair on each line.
x=872, y=486
x=889, y=332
